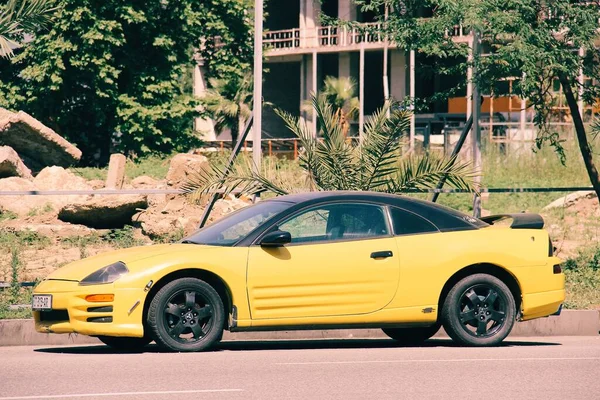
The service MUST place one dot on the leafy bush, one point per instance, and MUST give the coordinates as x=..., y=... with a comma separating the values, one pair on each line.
x=583, y=279
x=116, y=75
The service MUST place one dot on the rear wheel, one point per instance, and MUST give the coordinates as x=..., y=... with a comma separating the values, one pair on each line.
x=479, y=311
x=186, y=315
x=125, y=343
x=412, y=335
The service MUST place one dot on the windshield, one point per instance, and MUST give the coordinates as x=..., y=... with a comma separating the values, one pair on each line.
x=234, y=227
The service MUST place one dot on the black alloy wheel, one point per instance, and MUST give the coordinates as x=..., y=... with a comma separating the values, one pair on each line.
x=479, y=311
x=186, y=315
x=125, y=344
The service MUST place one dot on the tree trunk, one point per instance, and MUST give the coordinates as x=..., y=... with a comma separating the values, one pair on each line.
x=241, y=122
x=584, y=146
x=235, y=132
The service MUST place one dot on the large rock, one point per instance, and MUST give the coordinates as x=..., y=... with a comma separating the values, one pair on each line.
x=104, y=212
x=38, y=145
x=179, y=217
x=49, y=179
x=570, y=199
x=145, y=182
x=51, y=229
x=20, y=204
x=12, y=165
x=183, y=166
x=58, y=178
x=169, y=220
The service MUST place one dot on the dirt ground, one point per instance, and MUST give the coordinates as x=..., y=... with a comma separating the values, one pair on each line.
x=574, y=226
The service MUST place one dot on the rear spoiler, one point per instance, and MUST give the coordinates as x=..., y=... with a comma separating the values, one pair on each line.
x=519, y=221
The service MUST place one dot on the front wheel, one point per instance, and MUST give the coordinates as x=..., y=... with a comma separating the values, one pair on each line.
x=186, y=315
x=125, y=343
x=412, y=335
x=479, y=311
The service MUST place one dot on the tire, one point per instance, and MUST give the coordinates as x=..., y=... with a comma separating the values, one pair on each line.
x=125, y=343
x=479, y=310
x=411, y=336
x=186, y=315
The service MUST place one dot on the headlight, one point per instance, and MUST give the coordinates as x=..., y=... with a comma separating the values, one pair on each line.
x=108, y=274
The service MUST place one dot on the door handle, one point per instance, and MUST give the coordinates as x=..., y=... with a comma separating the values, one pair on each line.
x=382, y=254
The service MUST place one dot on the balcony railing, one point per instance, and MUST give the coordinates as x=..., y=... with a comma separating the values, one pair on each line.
x=333, y=36
x=321, y=36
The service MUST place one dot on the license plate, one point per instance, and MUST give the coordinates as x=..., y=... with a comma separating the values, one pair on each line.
x=42, y=302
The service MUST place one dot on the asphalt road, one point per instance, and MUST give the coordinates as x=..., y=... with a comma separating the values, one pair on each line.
x=527, y=368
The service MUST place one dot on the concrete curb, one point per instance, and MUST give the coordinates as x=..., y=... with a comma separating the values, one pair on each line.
x=21, y=332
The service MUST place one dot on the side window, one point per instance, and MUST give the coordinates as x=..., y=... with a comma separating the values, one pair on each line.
x=308, y=226
x=407, y=223
x=337, y=222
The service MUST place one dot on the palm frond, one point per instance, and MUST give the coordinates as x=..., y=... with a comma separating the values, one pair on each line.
x=425, y=172
x=20, y=16
x=228, y=99
x=380, y=149
x=308, y=158
x=338, y=169
x=242, y=179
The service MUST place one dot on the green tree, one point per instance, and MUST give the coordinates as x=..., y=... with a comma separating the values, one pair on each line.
x=18, y=17
x=114, y=75
x=330, y=162
x=228, y=103
x=340, y=93
x=538, y=40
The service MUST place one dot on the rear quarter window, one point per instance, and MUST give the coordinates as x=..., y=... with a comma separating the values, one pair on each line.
x=408, y=223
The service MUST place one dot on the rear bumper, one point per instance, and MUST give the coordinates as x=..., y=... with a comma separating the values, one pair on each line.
x=548, y=292
x=559, y=311
x=537, y=305
x=72, y=313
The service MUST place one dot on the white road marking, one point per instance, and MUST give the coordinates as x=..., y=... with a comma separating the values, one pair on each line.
x=439, y=361
x=67, y=396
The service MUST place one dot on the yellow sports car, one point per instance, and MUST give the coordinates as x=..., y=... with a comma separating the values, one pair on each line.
x=318, y=260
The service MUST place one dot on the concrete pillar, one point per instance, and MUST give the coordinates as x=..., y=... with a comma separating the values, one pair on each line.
x=347, y=10
x=204, y=126
x=309, y=21
x=308, y=84
x=314, y=89
x=116, y=171
x=397, y=74
x=303, y=87
x=361, y=93
x=344, y=65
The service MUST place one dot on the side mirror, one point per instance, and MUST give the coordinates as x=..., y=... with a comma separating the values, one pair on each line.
x=276, y=239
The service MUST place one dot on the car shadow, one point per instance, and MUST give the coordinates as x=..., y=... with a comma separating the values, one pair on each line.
x=254, y=345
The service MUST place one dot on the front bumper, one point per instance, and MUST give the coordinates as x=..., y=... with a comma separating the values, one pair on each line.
x=72, y=313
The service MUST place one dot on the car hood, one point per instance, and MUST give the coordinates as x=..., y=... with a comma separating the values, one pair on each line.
x=78, y=270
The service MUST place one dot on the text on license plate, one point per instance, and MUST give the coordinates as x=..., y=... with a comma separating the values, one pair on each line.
x=42, y=302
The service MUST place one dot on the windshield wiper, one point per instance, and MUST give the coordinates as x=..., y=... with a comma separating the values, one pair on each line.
x=188, y=242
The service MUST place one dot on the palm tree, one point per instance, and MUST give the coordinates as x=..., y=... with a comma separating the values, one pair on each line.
x=228, y=103
x=340, y=93
x=329, y=162
x=18, y=17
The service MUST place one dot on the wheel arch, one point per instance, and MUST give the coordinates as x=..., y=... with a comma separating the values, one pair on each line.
x=209, y=277
x=483, y=268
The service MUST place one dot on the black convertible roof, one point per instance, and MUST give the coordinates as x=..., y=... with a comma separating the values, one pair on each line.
x=446, y=219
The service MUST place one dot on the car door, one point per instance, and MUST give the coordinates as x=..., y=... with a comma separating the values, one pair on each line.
x=424, y=256
x=342, y=260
